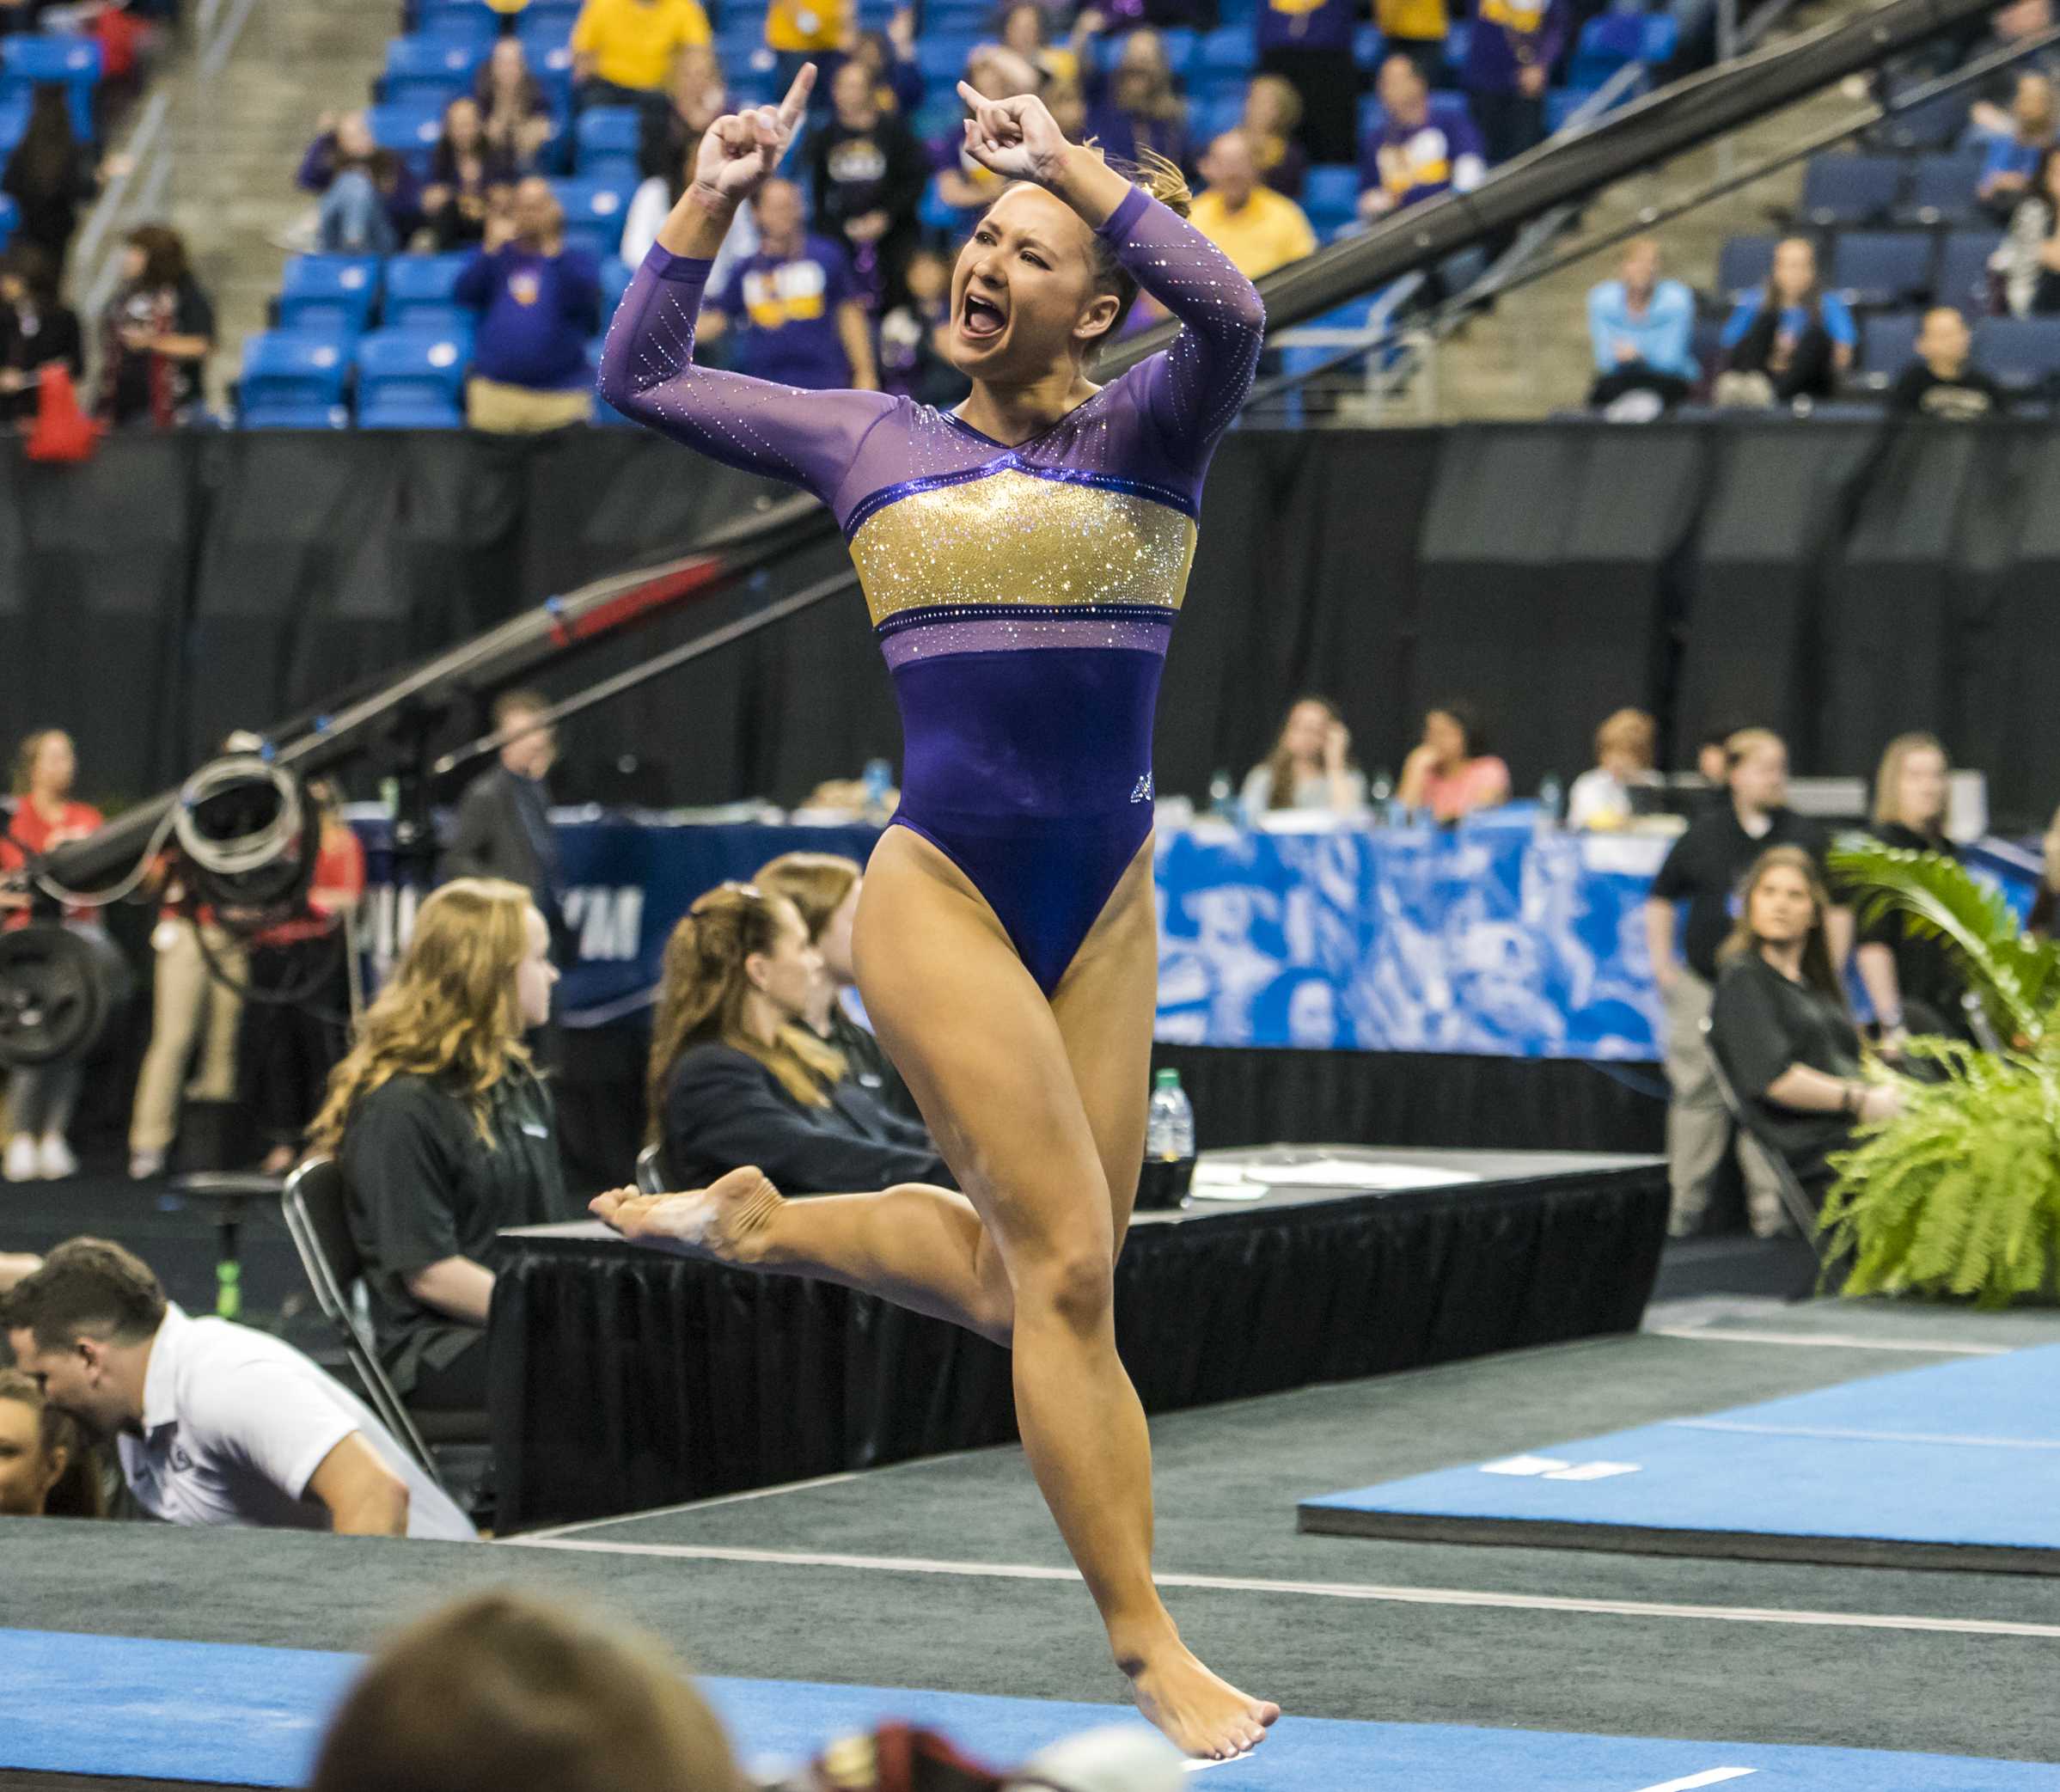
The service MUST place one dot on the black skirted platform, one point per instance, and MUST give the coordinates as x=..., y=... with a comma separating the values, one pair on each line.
x=624, y=1378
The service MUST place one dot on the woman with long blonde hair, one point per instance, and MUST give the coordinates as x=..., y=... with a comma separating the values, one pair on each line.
x=445, y=1132
x=737, y=1073
x=1911, y=979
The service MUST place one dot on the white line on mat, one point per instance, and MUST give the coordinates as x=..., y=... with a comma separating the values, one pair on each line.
x=1826, y=1341
x=1307, y=1589
x=1716, y=1776
x=1865, y=1437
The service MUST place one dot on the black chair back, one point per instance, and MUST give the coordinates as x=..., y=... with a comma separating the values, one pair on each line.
x=1794, y=1197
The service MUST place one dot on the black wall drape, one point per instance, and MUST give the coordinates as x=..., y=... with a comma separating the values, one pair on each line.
x=1838, y=581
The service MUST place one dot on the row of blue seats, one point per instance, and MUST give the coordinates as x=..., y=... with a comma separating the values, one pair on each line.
x=2019, y=353
x=342, y=295
x=1860, y=189
x=28, y=61
x=405, y=379
x=1874, y=268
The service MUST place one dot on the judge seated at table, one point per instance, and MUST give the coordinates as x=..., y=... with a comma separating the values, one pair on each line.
x=738, y=1076
x=1779, y=1023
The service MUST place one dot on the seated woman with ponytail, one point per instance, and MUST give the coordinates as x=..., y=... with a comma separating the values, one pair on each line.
x=738, y=1076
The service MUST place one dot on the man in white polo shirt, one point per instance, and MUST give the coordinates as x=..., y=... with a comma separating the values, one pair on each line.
x=214, y=1423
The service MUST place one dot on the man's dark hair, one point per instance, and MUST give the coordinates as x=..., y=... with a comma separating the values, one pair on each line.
x=86, y=1285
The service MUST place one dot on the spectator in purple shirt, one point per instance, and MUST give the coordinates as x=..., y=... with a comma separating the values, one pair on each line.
x=1509, y=58
x=868, y=171
x=1409, y=156
x=793, y=313
x=539, y=303
x=371, y=203
x=1136, y=108
x=889, y=55
x=1310, y=43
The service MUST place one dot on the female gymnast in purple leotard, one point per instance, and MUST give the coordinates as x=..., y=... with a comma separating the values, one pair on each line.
x=1023, y=560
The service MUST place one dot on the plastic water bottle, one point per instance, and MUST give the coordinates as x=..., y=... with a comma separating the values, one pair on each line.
x=1550, y=797
x=1222, y=797
x=879, y=780
x=1380, y=797
x=1168, y=1144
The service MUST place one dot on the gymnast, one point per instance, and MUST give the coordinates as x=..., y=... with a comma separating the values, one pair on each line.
x=1022, y=560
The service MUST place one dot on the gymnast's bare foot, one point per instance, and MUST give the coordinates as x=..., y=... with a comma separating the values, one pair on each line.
x=1201, y=1715
x=729, y=1221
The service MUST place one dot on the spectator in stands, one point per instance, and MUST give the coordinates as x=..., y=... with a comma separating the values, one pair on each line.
x=2010, y=27
x=37, y=331
x=291, y=1047
x=1643, y=332
x=889, y=57
x=539, y=305
x=1026, y=30
x=371, y=203
x=963, y=183
x=2012, y=166
x=1941, y=383
x=1510, y=53
x=1692, y=897
x=1308, y=43
x=48, y=175
x=156, y=334
x=2028, y=261
x=1449, y=773
x=504, y=821
x=916, y=336
x=1135, y=110
x=1912, y=980
x=468, y=178
x=867, y=170
x=503, y=1688
x=45, y=1469
x=1410, y=156
x=1605, y=795
x=1271, y=124
x=1310, y=766
x=738, y=1076
x=794, y=312
x=40, y=1098
x=1258, y=228
x=515, y=111
x=1779, y=1023
x=1417, y=29
x=1791, y=340
x=818, y=31
x=670, y=130
x=824, y=891
x=623, y=50
x=214, y=1424
x=445, y=1133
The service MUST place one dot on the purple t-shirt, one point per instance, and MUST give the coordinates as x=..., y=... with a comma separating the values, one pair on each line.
x=1307, y=24
x=1510, y=35
x=537, y=313
x=1417, y=162
x=782, y=312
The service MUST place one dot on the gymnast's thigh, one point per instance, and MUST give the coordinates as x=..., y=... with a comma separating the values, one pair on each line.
x=979, y=1046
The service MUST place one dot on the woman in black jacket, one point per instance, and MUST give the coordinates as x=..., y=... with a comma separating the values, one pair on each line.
x=36, y=332
x=737, y=1076
x=49, y=173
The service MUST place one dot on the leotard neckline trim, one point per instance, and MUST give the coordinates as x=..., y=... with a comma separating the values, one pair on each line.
x=1009, y=461
x=964, y=428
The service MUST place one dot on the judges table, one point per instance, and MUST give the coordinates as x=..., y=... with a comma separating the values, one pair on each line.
x=624, y=1377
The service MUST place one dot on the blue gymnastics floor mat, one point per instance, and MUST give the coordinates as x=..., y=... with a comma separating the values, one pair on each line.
x=234, y=1715
x=1953, y=1467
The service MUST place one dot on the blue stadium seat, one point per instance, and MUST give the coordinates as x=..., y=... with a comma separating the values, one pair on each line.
x=551, y=61
x=941, y=57
x=331, y=295
x=1237, y=12
x=607, y=138
x=1457, y=38
x=594, y=215
x=1744, y=263
x=1611, y=38
x=1941, y=192
x=11, y=216
x=2022, y=353
x=74, y=63
x=430, y=71
x=418, y=289
x=1368, y=47
x=544, y=16
x=1844, y=190
x=616, y=276
x=411, y=380
x=1213, y=117
x=1330, y=196
x=1935, y=124
x=1888, y=343
x=1962, y=278
x=14, y=120
x=410, y=131
x=470, y=19
x=1182, y=45
x=293, y=381
x=1226, y=51
x=1881, y=267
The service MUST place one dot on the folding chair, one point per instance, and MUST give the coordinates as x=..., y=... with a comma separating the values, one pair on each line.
x=312, y=1204
x=1794, y=1199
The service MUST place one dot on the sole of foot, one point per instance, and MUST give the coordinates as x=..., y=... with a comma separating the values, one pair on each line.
x=1201, y=1715
x=718, y=1221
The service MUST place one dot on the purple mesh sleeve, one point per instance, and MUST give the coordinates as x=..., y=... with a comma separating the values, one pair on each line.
x=648, y=373
x=1193, y=389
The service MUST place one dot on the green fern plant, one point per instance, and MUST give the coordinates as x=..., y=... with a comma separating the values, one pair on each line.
x=1958, y=1196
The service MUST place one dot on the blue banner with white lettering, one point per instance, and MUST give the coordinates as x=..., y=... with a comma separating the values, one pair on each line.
x=1495, y=938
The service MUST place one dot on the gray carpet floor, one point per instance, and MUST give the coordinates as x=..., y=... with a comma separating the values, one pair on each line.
x=1228, y=1479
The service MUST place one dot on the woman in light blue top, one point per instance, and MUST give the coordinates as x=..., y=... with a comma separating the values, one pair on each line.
x=1642, y=329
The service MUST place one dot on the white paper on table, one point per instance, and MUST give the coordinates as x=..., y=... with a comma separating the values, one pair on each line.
x=1356, y=1173
x=1223, y=1181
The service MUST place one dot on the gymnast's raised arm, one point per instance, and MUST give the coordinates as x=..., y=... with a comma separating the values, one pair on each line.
x=1194, y=389
x=647, y=368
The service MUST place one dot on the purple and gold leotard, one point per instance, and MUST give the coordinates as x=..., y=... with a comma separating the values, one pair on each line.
x=1023, y=596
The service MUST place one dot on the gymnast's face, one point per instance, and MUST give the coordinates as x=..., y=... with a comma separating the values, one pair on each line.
x=1024, y=299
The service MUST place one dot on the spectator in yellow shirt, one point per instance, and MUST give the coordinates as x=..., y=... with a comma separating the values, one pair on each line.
x=1258, y=228
x=623, y=50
